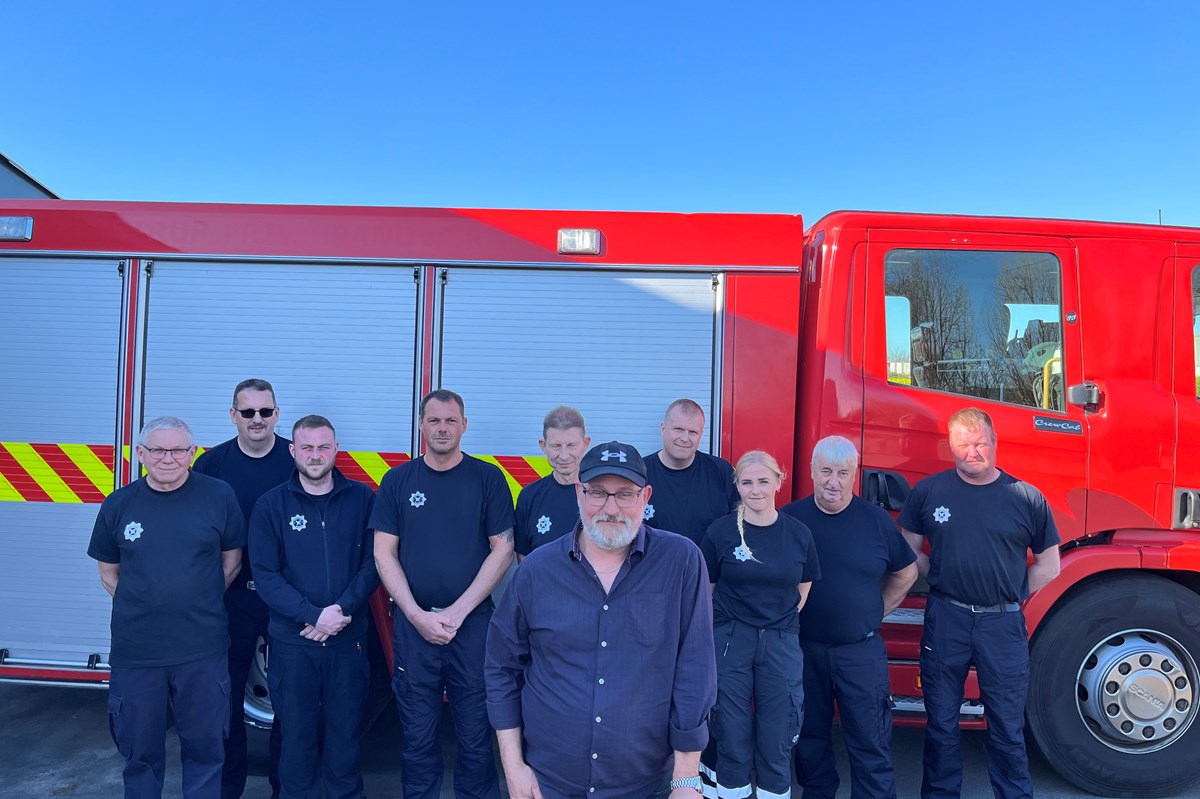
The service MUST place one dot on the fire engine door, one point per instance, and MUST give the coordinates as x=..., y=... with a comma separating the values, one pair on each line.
x=1185, y=499
x=957, y=320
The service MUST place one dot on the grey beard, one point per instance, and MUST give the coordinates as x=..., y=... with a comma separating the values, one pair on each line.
x=620, y=541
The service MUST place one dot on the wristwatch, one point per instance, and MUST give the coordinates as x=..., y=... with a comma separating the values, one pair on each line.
x=687, y=782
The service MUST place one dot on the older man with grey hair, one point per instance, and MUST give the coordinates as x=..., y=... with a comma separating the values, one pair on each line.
x=867, y=568
x=167, y=546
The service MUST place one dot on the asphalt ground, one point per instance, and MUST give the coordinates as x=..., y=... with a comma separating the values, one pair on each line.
x=54, y=742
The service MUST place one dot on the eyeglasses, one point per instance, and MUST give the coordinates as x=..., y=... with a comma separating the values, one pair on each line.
x=248, y=413
x=598, y=499
x=158, y=453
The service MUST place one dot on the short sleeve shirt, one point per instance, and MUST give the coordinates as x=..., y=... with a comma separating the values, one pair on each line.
x=443, y=520
x=687, y=501
x=979, y=535
x=546, y=510
x=168, y=606
x=758, y=587
x=858, y=547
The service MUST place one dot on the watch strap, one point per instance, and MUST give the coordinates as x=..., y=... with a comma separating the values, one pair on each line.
x=687, y=782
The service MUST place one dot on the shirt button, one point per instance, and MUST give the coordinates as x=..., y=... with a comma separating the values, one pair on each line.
x=591, y=790
x=594, y=755
x=597, y=719
x=604, y=643
x=601, y=681
x=606, y=607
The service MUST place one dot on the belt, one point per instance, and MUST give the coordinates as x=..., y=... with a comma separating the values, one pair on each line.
x=1003, y=607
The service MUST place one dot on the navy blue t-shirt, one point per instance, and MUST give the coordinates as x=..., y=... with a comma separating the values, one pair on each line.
x=546, y=509
x=858, y=547
x=979, y=535
x=759, y=590
x=168, y=606
x=250, y=478
x=443, y=521
x=687, y=501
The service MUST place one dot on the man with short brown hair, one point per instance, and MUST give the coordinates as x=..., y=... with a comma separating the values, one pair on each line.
x=546, y=508
x=443, y=539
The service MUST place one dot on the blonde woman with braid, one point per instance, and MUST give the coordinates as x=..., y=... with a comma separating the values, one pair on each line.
x=761, y=565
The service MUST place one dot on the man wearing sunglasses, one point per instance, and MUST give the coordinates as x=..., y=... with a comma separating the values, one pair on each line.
x=253, y=462
x=600, y=670
x=167, y=546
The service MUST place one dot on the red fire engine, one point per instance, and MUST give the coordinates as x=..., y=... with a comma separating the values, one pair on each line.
x=1081, y=340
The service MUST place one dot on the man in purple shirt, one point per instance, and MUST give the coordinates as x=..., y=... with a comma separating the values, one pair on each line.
x=600, y=668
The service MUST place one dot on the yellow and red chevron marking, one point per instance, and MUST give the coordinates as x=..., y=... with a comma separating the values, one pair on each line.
x=370, y=467
x=82, y=473
x=55, y=472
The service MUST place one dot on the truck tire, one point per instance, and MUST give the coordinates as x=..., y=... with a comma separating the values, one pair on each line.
x=1113, y=693
x=257, y=702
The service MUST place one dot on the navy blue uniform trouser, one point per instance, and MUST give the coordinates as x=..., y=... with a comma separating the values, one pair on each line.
x=247, y=623
x=998, y=644
x=855, y=675
x=138, y=700
x=422, y=671
x=760, y=706
x=320, y=690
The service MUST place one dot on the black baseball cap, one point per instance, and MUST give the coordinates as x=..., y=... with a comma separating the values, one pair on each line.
x=622, y=460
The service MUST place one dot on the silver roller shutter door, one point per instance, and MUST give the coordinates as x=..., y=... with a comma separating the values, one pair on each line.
x=332, y=339
x=59, y=358
x=618, y=346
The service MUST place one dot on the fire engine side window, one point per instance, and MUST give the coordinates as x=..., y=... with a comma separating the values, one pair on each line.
x=1196, y=325
x=982, y=324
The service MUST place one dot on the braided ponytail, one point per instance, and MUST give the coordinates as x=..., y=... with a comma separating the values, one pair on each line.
x=743, y=552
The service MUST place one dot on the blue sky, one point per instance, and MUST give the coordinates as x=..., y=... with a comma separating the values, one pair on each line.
x=1066, y=109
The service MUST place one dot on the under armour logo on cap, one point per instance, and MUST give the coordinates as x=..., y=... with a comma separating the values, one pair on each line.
x=615, y=458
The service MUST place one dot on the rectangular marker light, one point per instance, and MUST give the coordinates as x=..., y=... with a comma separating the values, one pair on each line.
x=578, y=241
x=16, y=228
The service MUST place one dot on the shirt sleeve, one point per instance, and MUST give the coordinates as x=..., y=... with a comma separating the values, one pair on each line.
x=499, y=501
x=103, y=546
x=385, y=515
x=695, y=687
x=812, y=565
x=266, y=561
x=899, y=553
x=708, y=546
x=507, y=655
x=234, y=534
x=732, y=497
x=1045, y=530
x=521, y=534
x=366, y=580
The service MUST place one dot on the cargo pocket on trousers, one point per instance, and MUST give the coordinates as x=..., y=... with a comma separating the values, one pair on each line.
x=796, y=693
x=115, y=723
x=884, y=733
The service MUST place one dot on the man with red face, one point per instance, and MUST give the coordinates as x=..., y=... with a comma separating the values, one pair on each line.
x=981, y=523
